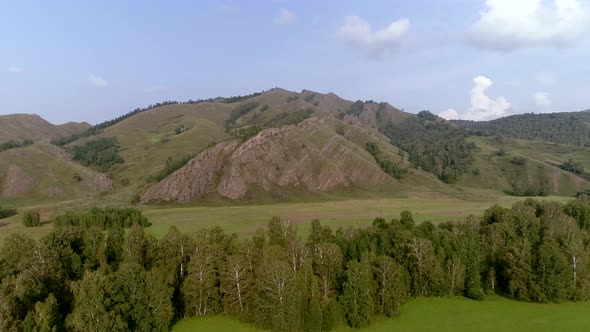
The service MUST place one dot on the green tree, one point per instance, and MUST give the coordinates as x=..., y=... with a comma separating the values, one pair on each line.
x=357, y=294
x=392, y=285
x=31, y=219
x=327, y=264
x=276, y=294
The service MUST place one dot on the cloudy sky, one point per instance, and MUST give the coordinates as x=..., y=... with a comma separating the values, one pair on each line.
x=469, y=59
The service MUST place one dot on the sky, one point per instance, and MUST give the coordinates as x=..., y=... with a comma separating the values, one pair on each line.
x=467, y=59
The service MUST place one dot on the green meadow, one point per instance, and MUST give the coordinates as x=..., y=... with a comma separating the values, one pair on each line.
x=245, y=219
x=449, y=314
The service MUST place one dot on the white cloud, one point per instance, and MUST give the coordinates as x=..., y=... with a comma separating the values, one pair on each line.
x=482, y=106
x=542, y=101
x=98, y=81
x=514, y=24
x=358, y=33
x=15, y=70
x=449, y=114
x=285, y=17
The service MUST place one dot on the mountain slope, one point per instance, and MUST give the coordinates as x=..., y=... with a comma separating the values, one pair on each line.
x=523, y=166
x=45, y=172
x=309, y=157
x=284, y=144
x=29, y=126
x=565, y=128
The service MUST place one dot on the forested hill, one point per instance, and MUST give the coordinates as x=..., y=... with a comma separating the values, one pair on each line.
x=565, y=128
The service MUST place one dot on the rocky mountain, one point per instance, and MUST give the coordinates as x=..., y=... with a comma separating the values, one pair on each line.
x=283, y=144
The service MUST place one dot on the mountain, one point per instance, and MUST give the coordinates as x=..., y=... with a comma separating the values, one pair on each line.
x=282, y=144
x=45, y=172
x=565, y=128
x=308, y=157
x=18, y=127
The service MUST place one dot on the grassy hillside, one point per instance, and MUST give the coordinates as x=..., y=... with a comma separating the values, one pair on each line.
x=494, y=166
x=28, y=126
x=43, y=172
x=327, y=154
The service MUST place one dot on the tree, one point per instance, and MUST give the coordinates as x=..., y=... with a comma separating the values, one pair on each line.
x=236, y=284
x=357, y=294
x=199, y=289
x=392, y=285
x=424, y=268
x=31, y=219
x=45, y=317
x=92, y=306
x=281, y=232
x=276, y=300
x=327, y=264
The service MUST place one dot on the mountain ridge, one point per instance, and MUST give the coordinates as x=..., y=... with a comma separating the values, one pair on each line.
x=32, y=126
x=286, y=144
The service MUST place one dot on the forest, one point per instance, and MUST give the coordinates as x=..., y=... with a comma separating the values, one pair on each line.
x=564, y=128
x=101, y=153
x=94, y=276
x=433, y=144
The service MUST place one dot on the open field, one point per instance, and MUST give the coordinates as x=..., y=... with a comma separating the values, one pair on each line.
x=450, y=314
x=245, y=219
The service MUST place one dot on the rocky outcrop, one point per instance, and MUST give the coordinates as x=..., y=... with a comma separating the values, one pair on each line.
x=309, y=157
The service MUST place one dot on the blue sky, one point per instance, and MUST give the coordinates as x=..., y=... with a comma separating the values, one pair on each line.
x=473, y=59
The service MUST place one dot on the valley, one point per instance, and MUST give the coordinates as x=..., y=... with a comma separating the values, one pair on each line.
x=284, y=174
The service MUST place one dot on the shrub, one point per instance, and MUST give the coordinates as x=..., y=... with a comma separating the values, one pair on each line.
x=31, y=219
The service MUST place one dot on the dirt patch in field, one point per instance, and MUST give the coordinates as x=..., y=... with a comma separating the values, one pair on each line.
x=17, y=182
x=96, y=181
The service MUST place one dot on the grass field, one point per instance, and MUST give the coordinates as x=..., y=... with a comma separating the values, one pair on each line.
x=450, y=314
x=245, y=219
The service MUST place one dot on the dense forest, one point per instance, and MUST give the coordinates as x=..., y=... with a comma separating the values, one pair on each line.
x=433, y=145
x=564, y=128
x=14, y=144
x=84, y=278
x=100, y=153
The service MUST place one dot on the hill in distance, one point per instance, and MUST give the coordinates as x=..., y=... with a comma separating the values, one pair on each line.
x=19, y=127
x=285, y=144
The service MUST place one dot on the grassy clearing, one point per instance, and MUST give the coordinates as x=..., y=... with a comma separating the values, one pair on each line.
x=450, y=314
x=244, y=220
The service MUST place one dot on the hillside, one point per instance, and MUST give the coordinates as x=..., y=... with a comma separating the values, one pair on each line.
x=524, y=167
x=18, y=127
x=43, y=172
x=285, y=144
x=564, y=128
x=308, y=157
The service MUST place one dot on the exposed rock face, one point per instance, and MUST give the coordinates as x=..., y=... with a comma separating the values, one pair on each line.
x=308, y=157
x=196, y=179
